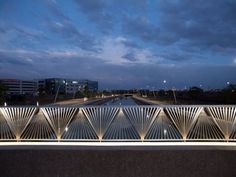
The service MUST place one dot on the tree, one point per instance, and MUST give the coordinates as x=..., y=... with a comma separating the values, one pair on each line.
x=161, y=92
x=86, y=92
x=195, y=92
x=79, y=94
x=3, y=90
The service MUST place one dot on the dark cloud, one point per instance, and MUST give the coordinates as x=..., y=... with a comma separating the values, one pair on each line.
x=204, y=24
x=193, y=27
x=65, y=27
x=17, y=60
x=3, y=29
x=130, y=56
x=178, y=56
x=52, y=6
x=106, y=14
x=29, y=33
x=140, y=27
x=140, y=6
x=20, y=36
x=131, y=44
x=73, y=35
x=96, y=12
x=197, y=26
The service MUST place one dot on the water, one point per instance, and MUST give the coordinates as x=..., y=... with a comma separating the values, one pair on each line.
x=121, y=101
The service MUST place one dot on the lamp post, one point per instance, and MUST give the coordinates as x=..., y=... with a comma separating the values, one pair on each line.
x=153, y=91
x=164, y=84
x=147, y=90
x=58, y=91
x=173, y=90
x=55, y=99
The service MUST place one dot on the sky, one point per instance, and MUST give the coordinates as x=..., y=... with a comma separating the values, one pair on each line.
x=122, y=44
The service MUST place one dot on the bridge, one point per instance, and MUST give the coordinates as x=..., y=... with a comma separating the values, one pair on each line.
x=140, y=124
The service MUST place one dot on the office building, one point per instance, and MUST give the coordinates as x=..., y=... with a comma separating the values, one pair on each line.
x=20, y=87
x=66, y=86
x=55, y=85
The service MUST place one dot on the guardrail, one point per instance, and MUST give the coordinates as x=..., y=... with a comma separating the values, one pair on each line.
x=118, y=124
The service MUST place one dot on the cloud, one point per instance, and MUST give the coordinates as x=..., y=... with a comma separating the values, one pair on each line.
x=96, y=12
x=72, y=35
x=115, y=51
x=130, y=56
x=106, y=14
x=53, y=8
x=204, y=24
x=178, y=56
x=20, y=36
x=15, y=57
x=194, y=26
x=140, y=27
x=127, y=42
x=110, y=74
x=61, y=24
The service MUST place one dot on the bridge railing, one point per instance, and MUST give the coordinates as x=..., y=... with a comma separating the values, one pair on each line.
x=118, y=123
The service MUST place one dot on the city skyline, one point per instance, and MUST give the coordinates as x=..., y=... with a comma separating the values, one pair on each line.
x=121, y=44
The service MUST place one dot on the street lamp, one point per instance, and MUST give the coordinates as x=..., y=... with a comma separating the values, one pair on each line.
x=164, y=82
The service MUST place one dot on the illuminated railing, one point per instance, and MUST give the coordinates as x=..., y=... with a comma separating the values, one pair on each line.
x=123, y=123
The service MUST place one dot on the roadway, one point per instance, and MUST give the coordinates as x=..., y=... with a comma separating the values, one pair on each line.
x=107, y=101
x=82, y=102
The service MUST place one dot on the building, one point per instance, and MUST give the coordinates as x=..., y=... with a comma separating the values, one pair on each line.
x=73, y=86
x=20, y=87
x=66, y=86
x=41, y=85
x=92, y=85
x=55, y=85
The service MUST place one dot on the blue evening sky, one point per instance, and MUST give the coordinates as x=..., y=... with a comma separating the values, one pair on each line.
x=120, y=43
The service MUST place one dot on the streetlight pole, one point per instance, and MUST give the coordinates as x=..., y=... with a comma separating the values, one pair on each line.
x=60, y=84
x=173, y=90
x=153, y=92
x=57, y=93
x=147, y=90
x=164, y=84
